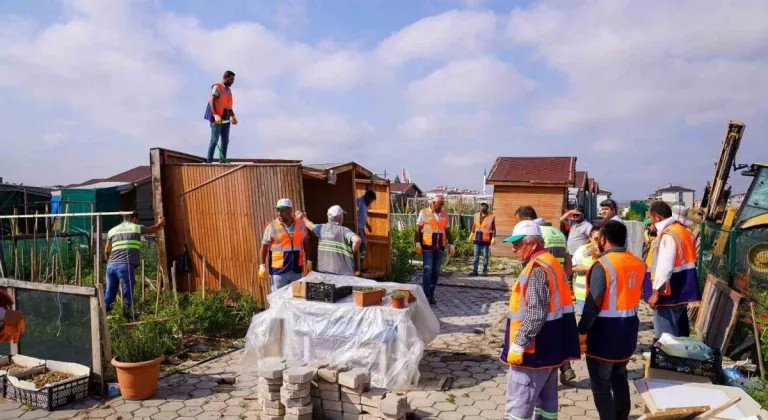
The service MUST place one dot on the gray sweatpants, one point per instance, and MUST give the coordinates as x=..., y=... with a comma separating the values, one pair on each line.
x=531, y=391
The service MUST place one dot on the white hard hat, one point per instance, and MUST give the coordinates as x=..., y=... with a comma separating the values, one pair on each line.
x=284, y=203
x=335, y=211
x=680, y=214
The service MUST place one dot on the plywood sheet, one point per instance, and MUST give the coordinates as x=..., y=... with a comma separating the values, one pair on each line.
x=667, y=395
x=717, y=314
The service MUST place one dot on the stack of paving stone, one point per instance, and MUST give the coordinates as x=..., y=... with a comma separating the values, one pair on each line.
x=295, y=391
x=342, y=394
x=269, y=384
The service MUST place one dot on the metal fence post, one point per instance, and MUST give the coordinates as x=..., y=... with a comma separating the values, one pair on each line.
x=731, y=256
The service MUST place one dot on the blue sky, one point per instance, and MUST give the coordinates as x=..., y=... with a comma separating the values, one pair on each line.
x=639, y=92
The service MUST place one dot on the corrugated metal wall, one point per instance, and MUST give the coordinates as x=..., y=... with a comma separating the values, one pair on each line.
x=220, y=212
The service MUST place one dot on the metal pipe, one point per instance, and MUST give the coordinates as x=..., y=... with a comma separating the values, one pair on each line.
x=32, y=216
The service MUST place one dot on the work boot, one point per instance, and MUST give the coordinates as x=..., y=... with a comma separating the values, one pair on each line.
x=473, y=274
x=432, y=300
x=485, y=273
x=567, y=376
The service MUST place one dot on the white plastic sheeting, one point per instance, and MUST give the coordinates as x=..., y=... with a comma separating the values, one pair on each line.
x=635, y=237
x=386, y=341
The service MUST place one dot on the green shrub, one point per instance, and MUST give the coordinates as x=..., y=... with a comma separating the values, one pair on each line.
x=403, y=249
x=142, y=342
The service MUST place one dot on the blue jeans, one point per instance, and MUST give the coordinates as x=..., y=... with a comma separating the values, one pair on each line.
x=672, y=320
x=432, y=262
x=117, y=274
x=281, y=280
x=216, y=132
x=486, y=250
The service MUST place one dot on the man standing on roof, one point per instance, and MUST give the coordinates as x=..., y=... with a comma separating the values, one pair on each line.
x=609, y=325
x=123, y=253
x=554, y=244
x=483, y=235
x=363, y=205
x=671, y=282
x=338, y=244
x=541, y=330
x=284, y=242
x=219, y=114
x=433, y=234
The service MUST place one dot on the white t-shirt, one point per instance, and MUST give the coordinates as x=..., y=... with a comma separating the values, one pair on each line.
x=420, y=220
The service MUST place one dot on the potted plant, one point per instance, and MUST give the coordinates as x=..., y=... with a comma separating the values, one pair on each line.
x=368, y=296
x=409, y=297
x=398, y=299
x=139, y=348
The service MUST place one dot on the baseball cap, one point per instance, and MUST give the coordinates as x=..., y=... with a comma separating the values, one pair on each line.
x=647, y=222
x=522, y=229
x=336, y=211
x=284, y=203
x=680, y=214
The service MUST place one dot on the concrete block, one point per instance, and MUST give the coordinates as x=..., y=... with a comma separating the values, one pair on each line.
x=333, y=415
x=297, y=402
x=297, y=375
x=350, y=396
x=274, y=411
x=331, y=395
x=268, y=388
x=351, y=416
x=373, y=397
x=270, y=404
x=271, y=370
x=330, y=373
x=369, y=417
x=284, y=394
x=354, y=378
x=332, y=405
x=299, y=411
x=352, y=408
x=268, y=417
x=265, y=381
x=359, y=390
x=271, y=396
x=301, y=417
x=317, y=404
x=295, y=387
x=327, y=386
x=318, y=414
x=315, y=392
x=393, y=405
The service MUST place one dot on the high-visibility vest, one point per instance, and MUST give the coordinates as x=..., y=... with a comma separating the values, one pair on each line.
x=613, y=336
x=125, y=240
x=580, y=279
x=555, y=243
x=284, y=249
x=223, y=101
x=483, y=229
x=433, y=232
x=683, y=286
x=558, y=338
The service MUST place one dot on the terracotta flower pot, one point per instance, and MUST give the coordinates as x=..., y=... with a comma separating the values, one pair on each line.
x=408, y=295
x=138, y=381
x=398, y=303
x=369, y=298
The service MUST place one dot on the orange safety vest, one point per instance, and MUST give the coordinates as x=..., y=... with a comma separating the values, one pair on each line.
x=613, y=336
x=683, y=286
x=433, y=232
x=559, y=336
x=483, y=230
x=285, y=249
x=223, y=101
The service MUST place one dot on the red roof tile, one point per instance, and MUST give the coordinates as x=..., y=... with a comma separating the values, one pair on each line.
x=400, y=186
x=136, y=175
x=534, y=170
x=581, y=178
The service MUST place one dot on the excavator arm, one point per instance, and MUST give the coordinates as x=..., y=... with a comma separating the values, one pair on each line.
x=715, y=199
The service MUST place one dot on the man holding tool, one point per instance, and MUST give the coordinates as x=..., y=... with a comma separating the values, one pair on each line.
x=219, y=114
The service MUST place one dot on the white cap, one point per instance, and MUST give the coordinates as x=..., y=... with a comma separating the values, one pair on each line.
x=680, y=214
x=284, y=203
x=522, y=229
x=540, y=221
x=336, y=211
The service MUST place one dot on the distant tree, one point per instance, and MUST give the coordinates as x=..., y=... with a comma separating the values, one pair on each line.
x=633, y=215
x=397, y=179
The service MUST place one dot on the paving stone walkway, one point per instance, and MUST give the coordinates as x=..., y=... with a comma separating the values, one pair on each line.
x=472, y=322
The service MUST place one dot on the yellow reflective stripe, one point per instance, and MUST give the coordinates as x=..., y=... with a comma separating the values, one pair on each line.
x=332, y=246
x=545, y=414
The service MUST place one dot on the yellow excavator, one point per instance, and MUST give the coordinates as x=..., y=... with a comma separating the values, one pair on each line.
x=751, y=218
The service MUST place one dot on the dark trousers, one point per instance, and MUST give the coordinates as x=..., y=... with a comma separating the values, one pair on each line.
x=218, y=131
x=610, y=388
x=432, y=262
x=672, y=320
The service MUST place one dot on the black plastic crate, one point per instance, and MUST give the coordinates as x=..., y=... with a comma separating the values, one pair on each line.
x=50, y=397
x=327, y=292
x=711, y=368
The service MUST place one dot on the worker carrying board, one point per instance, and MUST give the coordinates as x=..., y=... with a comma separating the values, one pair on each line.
x=220, y=114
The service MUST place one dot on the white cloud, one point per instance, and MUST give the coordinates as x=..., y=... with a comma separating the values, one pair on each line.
x=342, y=70
x=483, y=82
x=449, y=35
x=321, y=130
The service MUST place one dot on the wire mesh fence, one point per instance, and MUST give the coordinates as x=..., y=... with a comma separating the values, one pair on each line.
x=738, y=257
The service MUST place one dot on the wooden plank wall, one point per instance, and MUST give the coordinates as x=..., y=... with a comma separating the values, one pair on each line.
x=319, y=196
x=378, y=256
x=548, y=202
x=224, y=220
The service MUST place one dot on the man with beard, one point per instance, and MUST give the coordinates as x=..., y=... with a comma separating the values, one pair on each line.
x=220, y=114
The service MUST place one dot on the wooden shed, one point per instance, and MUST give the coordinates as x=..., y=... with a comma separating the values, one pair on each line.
x=218, y=212
x=540, y=182
x=330, y=184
